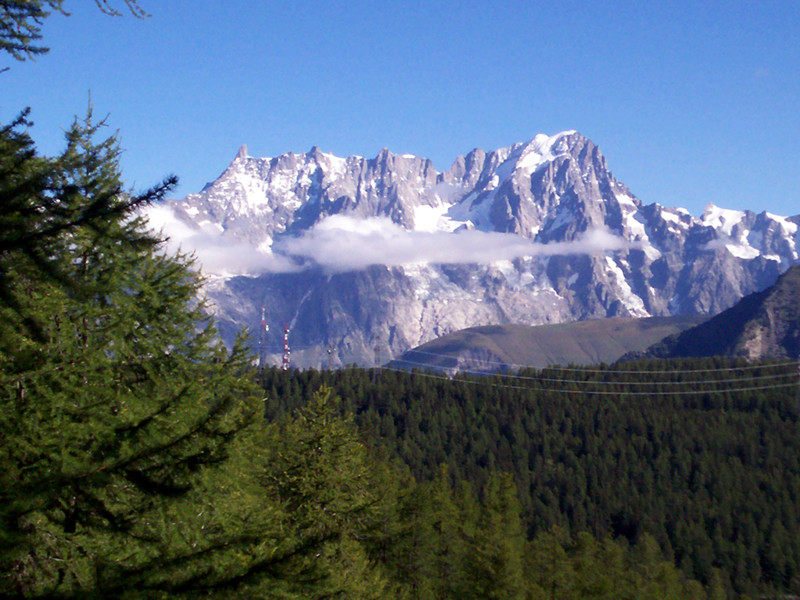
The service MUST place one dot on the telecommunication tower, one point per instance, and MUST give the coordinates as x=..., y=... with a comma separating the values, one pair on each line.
x=286, y=350
x=331, y=348
x=262, y=341
x=377, y=363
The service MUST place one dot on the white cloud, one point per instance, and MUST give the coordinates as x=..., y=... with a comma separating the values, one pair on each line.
x=342, y=243
x=216, y=252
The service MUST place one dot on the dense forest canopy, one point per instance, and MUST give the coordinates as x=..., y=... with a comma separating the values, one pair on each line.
x=702, y=455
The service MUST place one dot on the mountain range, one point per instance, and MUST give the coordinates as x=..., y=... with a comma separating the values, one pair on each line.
x=363, y=259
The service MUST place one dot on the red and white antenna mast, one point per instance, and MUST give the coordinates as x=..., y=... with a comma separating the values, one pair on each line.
x=286, y=350
x=262, y=342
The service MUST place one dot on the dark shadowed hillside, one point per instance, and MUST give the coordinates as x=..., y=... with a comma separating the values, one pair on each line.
x=762, y=325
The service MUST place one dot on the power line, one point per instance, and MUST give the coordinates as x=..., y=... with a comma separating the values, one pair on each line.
x=596, y=370
x=675, y=393
x=622, y=383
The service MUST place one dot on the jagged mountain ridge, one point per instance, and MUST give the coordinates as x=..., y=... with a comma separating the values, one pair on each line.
x=551, y=190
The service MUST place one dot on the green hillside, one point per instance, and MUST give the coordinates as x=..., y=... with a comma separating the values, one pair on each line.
x=498, y=347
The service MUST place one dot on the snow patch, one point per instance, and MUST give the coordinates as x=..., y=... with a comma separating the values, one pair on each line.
x=722, y=219
x=787, y=226
x=540, y=150
x=434, y=218
x=469, y=211
x=634, y=223
x=743, y=251
x=629, y=299
x=674, y=219
x=336, y=168
x=626, y=200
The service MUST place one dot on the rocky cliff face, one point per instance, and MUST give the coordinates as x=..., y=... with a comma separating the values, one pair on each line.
x=366, y=258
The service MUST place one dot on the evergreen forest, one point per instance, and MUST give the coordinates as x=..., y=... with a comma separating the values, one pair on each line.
x=140, y=458
x=698, y=455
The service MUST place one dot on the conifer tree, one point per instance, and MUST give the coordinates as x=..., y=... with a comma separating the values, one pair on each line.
x=315, y=469
x=549, y=566
x=116, y=397
x=496, y=562
x=20, y=26
x=21, y=23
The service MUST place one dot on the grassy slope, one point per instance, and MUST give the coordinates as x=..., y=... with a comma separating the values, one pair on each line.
x=579, y=343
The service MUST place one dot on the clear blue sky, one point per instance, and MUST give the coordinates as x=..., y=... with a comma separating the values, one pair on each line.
x=691, y=102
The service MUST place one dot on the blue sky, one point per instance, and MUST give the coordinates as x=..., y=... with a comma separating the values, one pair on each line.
x=691, y=102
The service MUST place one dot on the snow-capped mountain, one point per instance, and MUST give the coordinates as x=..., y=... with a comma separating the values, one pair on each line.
x=366, y=258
